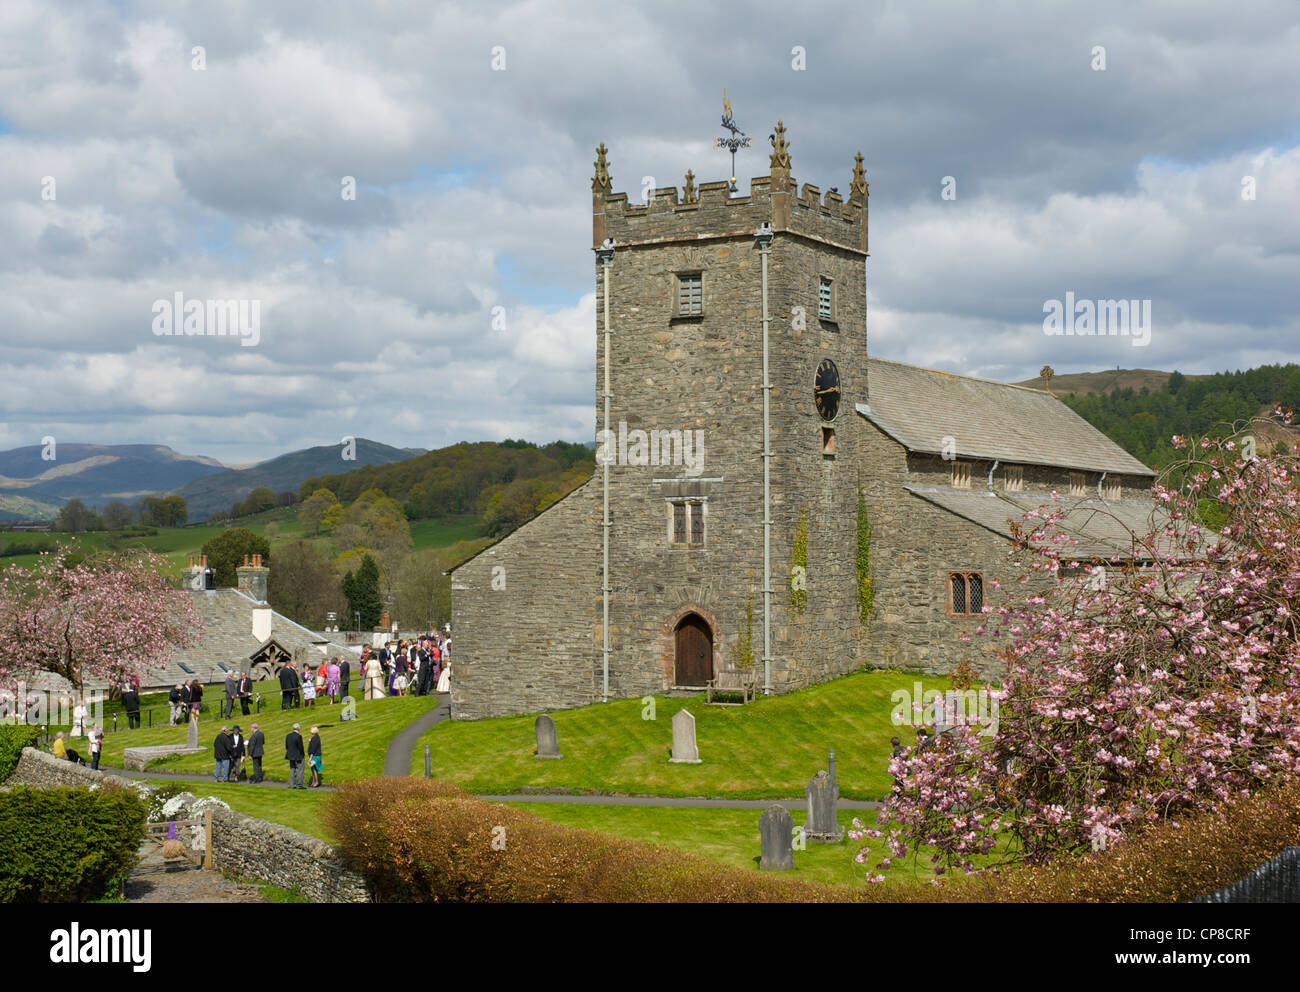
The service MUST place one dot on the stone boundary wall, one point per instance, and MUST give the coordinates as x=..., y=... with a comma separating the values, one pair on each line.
x=241, y=844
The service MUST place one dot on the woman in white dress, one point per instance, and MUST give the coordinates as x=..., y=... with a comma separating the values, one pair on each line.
x=374, y=675
x=444, y=680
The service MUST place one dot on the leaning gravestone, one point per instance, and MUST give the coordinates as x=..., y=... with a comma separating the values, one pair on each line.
x=685, y=751
x=548, y=744
x=822, y=794
x=776, y=833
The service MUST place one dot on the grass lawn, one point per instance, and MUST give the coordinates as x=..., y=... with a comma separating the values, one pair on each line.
x=731, y=837
x=351, y=750
x=768, y=749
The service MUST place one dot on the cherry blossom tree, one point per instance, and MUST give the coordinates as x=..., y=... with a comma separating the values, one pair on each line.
x=109, y=618
x=1167, y=688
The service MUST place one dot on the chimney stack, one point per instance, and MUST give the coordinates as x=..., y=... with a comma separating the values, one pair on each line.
x=253, y=577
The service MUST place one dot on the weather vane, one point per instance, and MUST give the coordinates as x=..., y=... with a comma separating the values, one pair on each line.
x=738, y=138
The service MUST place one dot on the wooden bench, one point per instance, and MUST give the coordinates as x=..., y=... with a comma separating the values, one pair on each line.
x=730, y=683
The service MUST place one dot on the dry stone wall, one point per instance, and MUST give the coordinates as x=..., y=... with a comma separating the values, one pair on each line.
x=241, y=845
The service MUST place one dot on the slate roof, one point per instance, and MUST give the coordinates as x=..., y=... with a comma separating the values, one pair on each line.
x=918, y=407
x=1103, y=528
x=228, y=639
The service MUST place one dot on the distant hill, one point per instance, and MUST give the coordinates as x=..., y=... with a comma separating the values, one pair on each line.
x=33, y=488
x=1088, y=383
x=285, y=473
x=1142, y=409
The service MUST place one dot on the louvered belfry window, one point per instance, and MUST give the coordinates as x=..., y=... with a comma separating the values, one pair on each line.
x=824, y=299
x=961, y=475
x=679, y=523
x=690, y=295
x=966, y=593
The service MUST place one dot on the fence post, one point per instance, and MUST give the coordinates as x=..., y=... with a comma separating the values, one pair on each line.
x=207, y=838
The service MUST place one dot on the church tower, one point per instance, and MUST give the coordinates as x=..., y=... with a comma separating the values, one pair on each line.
x=730, y=354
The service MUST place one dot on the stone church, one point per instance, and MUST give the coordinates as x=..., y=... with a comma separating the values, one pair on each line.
x=739, y=418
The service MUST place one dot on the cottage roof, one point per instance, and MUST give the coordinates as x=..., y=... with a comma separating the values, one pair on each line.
x=228, y=639
x=987, y=420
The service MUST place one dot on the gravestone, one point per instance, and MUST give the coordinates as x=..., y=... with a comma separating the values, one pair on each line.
x=685, y=751
x=192, y=737
x=822, y=794
x=548, y=744
x=776, y=834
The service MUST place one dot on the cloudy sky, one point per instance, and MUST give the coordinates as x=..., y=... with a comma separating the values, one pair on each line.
x=133, y=168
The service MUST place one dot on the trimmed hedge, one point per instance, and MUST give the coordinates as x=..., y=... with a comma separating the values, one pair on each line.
x=422, y=841
x=419, y=841
x=13, y=738
x=67, y=845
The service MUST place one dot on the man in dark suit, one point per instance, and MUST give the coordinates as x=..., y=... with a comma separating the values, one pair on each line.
x=187, y=691
x=294, y=753
x=237, y=748
x=288, y=685
x=131, y=703
x=256, y=748
x=345, y=676
x=245, y=692
x=221, y=754
x=232, y=690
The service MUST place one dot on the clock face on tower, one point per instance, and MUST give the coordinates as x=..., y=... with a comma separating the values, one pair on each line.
x=826, y=390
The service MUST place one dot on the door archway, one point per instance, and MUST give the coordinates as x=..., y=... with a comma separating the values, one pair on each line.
x=693, y=655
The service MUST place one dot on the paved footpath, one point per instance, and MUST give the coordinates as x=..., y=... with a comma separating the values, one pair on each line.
x=397, y=759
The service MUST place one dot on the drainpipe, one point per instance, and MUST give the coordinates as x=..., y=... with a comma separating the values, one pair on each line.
x=764, y=235
x=991, y=471
x=606, y=255
x=1099, y=482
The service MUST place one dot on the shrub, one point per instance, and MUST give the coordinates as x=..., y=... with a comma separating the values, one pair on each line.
x=67, y=845
x=422, y=841
x=13, y=738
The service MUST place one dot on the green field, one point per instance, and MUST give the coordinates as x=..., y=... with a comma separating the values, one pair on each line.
x=176, y=544
x=351, y=750
x=768, y=749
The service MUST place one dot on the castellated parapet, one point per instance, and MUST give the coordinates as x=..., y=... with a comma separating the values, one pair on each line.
x=669, y=217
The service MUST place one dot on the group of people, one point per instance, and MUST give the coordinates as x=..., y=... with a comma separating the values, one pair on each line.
x=329, y=681
x=229, y=750
x=95, y=737
x=186, y=699
x=419, y=666
x=294, y=753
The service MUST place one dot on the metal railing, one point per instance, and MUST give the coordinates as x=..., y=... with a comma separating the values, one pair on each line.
x=1276, y=880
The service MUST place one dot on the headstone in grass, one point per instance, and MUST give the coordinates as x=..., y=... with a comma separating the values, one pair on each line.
x=192, y=736
x=822, y=794
x=685, y=751
x=776, y=834
x=548, y=743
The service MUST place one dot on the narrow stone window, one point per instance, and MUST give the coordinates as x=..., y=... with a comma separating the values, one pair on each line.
x=961, y=475
x=966, y=593
x=828, y=442
x=686, y=524
x=1014, y=480
x=690, y=295
x=824, y=298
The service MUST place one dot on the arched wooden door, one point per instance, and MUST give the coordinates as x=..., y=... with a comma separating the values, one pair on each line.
x=694, y=656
